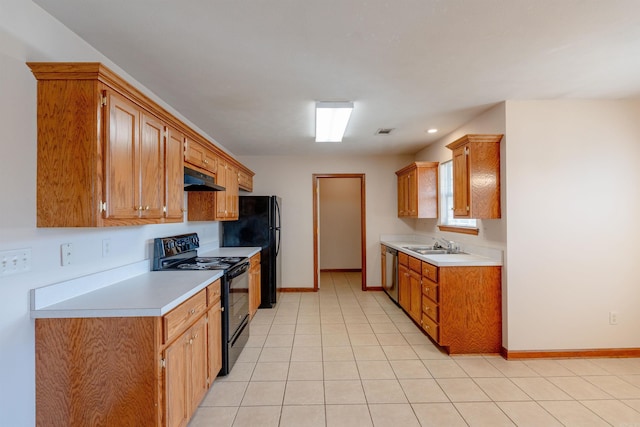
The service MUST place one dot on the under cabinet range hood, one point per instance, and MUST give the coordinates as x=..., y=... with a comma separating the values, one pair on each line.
x=198, y=181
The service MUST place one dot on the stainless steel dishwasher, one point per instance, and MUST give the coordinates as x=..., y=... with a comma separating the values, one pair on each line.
x=391, y=269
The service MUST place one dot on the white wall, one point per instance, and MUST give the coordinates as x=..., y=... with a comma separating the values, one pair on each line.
x=573, y=202
x=339, y=228
x=29, y=34
x=290, y=177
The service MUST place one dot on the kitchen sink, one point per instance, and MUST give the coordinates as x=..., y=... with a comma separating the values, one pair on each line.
x=425, y=250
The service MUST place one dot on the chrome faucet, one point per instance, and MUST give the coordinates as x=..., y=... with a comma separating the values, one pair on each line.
x=449, y=245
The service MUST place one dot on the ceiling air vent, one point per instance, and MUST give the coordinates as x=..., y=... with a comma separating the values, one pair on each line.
x=384, y=131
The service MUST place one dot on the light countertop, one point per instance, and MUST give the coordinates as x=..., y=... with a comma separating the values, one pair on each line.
x=153, y=293
x=444, y=260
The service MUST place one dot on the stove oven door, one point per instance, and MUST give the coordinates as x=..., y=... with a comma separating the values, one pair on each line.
x=238, y=283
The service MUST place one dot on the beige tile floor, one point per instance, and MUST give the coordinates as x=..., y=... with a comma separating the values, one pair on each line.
x=342, y=357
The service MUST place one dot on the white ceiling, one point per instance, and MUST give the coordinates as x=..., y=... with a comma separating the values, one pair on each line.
x=248, y=72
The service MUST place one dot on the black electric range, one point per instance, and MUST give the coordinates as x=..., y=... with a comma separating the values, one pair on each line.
x=180, y=253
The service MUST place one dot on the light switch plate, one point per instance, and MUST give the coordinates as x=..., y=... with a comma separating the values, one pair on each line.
x=15, y=261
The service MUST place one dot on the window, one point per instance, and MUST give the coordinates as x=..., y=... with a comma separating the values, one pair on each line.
x=446, y=199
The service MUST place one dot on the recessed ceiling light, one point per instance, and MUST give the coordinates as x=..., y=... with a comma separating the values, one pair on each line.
x=432, y=130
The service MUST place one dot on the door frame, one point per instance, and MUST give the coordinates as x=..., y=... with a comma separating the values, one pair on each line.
x=363, y=227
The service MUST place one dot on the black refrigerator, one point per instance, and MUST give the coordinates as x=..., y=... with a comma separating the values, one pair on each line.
x=258, y=224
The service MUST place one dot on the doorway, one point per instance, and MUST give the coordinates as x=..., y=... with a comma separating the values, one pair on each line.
x=332, y=195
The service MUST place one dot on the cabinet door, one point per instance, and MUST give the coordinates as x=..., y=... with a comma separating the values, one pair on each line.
x=193, y=153
x=403, y=195
x=415, y=289
x=174, y=174
x=255, y=294
x=198, y=366
x=210, y=161
x=215, y=341
x=176, y=380
x=221, y=196
x=461, y=183
x=404, y=288
x=151, y=167
x=412, y=194
x=232, y=186
x=121, y=158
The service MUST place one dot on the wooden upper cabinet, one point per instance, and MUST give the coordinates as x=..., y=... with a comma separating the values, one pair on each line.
x=197, y=154
x=216, y=205
x=227, y=201
x=233, y=186
x=245, y=180
x=476, y=176
x=122, y=168
x=107, y=154
x=461, y=207
x=174, y=174
x=151, y=167
x=221, y=196
x=418, y=190
x=134, y=161
x=101, y=154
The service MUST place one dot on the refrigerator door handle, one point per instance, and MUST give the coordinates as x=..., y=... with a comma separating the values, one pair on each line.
x=277, y=225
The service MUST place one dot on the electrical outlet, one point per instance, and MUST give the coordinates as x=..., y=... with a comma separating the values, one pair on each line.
x=66, y=252
x=106, y=247
x=613, y=317
x=15, y=261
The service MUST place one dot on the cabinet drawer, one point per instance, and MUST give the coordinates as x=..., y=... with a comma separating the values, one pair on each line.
x=213, y=293
x=430, y=289
x=183, y=316
x=414, y=264
x=403, y=258
x=430, y=308
x=430, y=327
x=430, y=271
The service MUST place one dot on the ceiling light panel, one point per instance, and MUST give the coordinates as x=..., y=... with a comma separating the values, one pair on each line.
x=331, y=120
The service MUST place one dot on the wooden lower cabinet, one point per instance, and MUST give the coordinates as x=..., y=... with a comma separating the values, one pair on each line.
x=214, y=330
x=185, y=363
x=404, y=288
x=128, y=370
x=409, y=286
x=415, y=302
x=99, y=372
x=462, y=308
x=255, y=291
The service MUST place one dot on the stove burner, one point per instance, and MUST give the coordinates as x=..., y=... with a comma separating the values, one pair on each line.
x=191, y=267
x=209, y=263
x=216, y=259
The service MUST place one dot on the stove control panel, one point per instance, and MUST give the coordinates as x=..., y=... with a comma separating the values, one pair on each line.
x=175, y=245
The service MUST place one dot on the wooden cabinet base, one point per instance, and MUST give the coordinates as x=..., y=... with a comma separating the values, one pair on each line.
x=470, y=309
x=128, y=371
x=98, y=372
x=460, y=308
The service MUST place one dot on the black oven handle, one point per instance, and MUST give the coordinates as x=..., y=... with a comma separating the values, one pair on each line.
x=237, y=270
